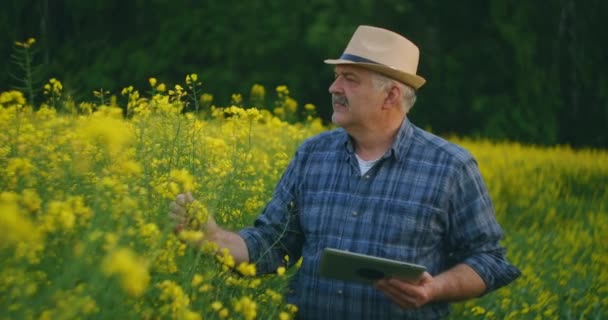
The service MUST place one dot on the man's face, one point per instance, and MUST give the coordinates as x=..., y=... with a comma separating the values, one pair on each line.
x=355, y=101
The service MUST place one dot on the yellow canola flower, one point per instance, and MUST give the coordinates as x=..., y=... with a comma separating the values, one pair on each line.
x=15, y=227
x=150, y=233
x=292, y=308
x=246, y=269
x=127, y=90
x=197, y=214
x=53, y=87
x=26, y=44
x=12, y=97
x=19, y=166
x=247, y=307
x=127, y=168
x=191, y=236
x=226, y=258
x=258, y=92
x=224, y=313
x=281, y=271
x=105, y=131
x=71, y=304
x=206, y=98
x=274, y=296
x=178, y=181
x=86, y=108
x=282, y=90
x=236, y=98
x=31, y=200
x=131, y=270
x=59, y=215
x=478, y=310
x=309, y=107
x=279, y=111
x=166, y=255
x=291, y=105
x=65, y=215
x=197, y=279
x=216, y=306
x=177, y=301
x=19, y=169
x=183, y=178
x=190, y=78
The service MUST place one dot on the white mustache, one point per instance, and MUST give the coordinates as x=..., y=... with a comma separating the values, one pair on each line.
x=339, y=99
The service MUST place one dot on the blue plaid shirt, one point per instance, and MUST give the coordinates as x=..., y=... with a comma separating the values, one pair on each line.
x=423, y=202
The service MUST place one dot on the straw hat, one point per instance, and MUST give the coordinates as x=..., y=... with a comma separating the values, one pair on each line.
x=385, y=52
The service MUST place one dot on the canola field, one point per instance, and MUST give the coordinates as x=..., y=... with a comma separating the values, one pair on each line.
x=85, y=191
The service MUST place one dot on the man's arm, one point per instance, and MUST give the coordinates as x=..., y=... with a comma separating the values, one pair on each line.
x=460, y=282
x=479, y=263
x=231, y=241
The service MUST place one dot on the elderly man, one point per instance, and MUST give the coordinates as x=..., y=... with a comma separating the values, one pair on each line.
x=379, y=186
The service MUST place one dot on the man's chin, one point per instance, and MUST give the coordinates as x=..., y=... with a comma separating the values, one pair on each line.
x=337, y=118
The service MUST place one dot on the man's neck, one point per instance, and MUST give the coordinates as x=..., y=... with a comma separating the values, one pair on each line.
x=372, y=143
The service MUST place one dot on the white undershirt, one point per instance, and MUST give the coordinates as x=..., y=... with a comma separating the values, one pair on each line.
x=364, y=166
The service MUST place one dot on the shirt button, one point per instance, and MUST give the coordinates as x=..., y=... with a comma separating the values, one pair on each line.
x=340, y=292
x=367, y=176
x=355, y=213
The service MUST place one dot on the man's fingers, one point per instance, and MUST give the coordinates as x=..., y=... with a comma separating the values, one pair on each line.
x=177, y=209
x=181, y=200
x=189, y=197
x=178, y=212
x=177, y=218
x=397, y=294
x=393, y=294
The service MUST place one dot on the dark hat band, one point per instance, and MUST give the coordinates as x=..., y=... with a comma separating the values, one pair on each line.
x=355, y=58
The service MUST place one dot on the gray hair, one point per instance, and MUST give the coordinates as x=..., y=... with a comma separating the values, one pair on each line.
x=408, y=94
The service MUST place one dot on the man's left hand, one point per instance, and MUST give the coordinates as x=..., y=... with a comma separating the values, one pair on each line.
x=408, y=294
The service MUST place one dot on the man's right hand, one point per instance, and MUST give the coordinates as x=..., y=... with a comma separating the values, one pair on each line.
x=187, y=213
x=182, y=218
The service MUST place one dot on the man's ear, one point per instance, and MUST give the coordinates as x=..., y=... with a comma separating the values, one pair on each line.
x=392, y=97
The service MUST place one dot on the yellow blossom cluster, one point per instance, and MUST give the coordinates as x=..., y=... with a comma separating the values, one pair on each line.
x=13, y=97
x=26, y=44
x=177, y=302
x=131, y=270
x=53, y=87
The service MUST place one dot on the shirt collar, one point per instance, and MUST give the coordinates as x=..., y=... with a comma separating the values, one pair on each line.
x=398, y=148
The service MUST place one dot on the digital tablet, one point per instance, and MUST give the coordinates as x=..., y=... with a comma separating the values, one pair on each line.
x=350, y=266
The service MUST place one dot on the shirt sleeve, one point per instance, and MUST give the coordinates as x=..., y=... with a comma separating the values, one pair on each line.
x=276, y=233
x=474, y=237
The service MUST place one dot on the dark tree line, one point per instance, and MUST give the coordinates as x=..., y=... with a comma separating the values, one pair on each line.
x=531, y=71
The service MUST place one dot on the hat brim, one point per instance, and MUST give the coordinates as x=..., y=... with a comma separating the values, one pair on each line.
x=412, y=80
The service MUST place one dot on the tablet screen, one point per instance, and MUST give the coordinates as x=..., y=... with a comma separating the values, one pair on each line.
x=350, y=266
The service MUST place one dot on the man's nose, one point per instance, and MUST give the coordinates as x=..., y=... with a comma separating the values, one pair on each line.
x=334, y=87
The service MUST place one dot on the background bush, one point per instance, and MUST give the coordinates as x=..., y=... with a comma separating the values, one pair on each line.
x=528, y=72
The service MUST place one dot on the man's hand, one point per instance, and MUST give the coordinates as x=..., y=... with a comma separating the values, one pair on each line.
x=178, y=211
x=182, y=218
x=408, y=294
x=187, y=213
